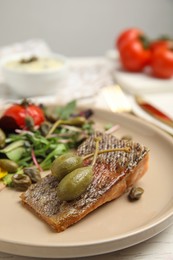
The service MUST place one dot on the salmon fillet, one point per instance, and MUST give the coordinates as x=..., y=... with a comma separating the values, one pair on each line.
x=114, y=172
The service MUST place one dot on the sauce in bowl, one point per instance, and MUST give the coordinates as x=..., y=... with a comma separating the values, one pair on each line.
x=34, y=64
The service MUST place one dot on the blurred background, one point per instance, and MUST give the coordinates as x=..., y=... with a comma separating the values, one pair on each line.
x=81, y=27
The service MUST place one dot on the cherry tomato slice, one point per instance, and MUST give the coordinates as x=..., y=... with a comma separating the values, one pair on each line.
x=19, y=113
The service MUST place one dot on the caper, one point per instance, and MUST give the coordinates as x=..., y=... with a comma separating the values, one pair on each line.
x=127, y=138
x=8, y=165
x=33, y=173
x=2, y=138
x=135, y=193
x=21, y=182
x=29, y=122
x=65, y=164
x=75, y=183
x=44, y=128
x=76, y=121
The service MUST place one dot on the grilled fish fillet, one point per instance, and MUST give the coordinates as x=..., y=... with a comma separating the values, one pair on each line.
x=114, y=172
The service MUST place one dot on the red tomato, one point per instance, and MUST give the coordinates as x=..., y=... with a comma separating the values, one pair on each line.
x=162, y=61
x=158, y=43
x=20, y=112
x=133, y=56
x=127, y=36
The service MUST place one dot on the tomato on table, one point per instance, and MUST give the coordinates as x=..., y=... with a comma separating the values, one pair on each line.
x=133, y=46
x=128, y=35
x=134, y=56
x=162, y=60
x=157, y=43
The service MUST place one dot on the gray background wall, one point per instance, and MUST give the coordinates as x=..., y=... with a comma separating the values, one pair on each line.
x=81, y=27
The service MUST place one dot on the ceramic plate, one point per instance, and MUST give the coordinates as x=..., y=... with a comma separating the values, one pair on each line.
x=141, y=83
x=162, y=101
x=116, y=225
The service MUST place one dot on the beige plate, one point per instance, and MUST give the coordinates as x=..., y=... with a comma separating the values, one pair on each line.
x=116, y=225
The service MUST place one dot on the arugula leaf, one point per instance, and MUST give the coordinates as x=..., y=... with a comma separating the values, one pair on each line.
x=19, y=145
x=60, y=149
x=67, y=110
x=16, y=154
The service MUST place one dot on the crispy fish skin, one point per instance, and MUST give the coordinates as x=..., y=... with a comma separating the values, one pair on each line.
x=114, y=172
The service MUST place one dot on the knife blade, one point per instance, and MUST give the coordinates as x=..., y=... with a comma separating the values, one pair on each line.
x=153, y=111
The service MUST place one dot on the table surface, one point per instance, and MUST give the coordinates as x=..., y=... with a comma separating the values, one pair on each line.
x=158, y=247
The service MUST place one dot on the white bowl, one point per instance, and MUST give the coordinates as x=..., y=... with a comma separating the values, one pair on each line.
x=34, y=83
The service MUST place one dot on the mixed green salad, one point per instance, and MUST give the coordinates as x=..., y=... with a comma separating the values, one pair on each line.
x=33, y=136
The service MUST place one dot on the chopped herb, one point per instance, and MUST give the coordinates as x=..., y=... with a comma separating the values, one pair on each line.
x=108, y=126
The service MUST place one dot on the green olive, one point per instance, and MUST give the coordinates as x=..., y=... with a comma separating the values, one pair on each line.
x=75, y=183
x=2, y=138
x=8, y=165
x=65, y=164
x=21, y=182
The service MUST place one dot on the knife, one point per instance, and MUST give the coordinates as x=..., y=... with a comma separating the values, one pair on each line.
x=153, y=111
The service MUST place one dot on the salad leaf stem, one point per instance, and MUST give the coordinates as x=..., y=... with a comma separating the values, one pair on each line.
x=35, y=161
x=60, y=149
